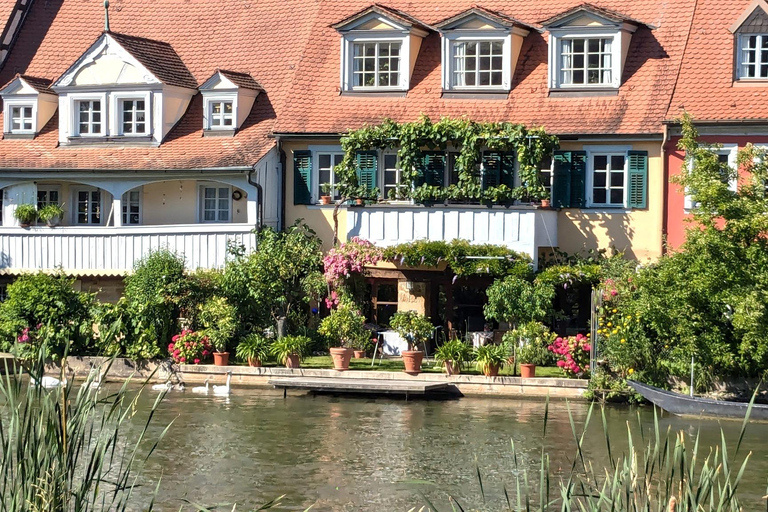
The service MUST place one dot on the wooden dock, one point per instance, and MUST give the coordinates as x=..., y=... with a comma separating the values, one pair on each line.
x=361, y=386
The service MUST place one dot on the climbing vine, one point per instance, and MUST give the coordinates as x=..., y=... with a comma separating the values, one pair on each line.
x=467, y=137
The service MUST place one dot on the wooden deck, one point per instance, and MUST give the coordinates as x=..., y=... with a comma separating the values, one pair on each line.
x=360, y=386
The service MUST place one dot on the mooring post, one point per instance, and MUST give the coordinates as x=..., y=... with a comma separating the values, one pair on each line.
x=285, y=393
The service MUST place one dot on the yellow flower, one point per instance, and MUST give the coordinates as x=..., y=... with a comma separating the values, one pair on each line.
x=631, y=371
x=615, y=331
x=614, y=310
x=623, y=340
x=610, y=324
x=589, y=334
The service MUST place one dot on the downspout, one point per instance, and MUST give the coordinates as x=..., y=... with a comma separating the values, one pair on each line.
x=283, y=180
x=260, y=200
x=665, y=189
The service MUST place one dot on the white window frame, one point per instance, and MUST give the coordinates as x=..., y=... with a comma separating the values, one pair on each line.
x=201, y=202
x=74, y=108
x=76, y=204
x=380, y=36
x=48, y=189
x=116, y=106
x=740, y=61
x=450, y=39
x=592, y=151
x=208, y=101
x=732, y=150
x=545, y=170
x=382, y=174
x=9, y=106
x=125, y=204
x=556, y=37
x=314, y=178
x=376, y=72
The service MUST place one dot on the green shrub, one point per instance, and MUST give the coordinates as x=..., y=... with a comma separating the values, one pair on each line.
x=290, y=345
x=51, y=310
x=344, y=325
x=491, y=355
x=515, y=300
x=25, y=213
x=219, y=318
x=413, y=327
x=254, y=346
x=455, y=351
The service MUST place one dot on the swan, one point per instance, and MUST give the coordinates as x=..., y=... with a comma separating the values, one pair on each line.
x=48, y=382
x=202, y=389
x=223, y=390
x=95, y=383
x=162, y=387
x=179, y=387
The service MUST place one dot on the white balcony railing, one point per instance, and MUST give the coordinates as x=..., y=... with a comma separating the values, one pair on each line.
x=116, y=249
x=522, y=229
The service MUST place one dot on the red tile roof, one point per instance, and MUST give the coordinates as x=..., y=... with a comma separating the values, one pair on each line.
x=159, y=58
x=609, y=14
x=316, y=105
x=400, y=16
x=500, y=18
x=706, y=85
x=243, y=80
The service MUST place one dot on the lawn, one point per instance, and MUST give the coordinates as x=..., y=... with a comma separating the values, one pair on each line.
x=428, y=366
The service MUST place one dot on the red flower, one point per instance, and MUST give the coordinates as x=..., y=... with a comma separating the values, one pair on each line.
x=197, y=361
x=183, y=359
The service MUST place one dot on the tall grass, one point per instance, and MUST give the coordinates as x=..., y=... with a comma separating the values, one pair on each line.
x=664, y=472
x=64, y=449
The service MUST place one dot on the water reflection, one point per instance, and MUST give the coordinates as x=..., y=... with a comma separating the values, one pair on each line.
x=363, y=454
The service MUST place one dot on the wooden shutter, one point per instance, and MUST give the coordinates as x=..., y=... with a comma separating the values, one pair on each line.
x=302, y=174
x=561, y=180
x=638, y=179
x=507, y=174
x=367, y=167
x=491, y=169
x=578, y=179
x=433, y=168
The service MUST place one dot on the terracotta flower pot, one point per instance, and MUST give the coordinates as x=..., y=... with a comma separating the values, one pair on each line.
x=412, y=360
x=341, y=357
x=527, y=371
x=452, y=368
x=255, y=363
x=325, y=199
x=221, y=358
x=359, y=354
x=545, y=203
x=24, y=225
x=491, y=370
x=359, y=202
x=292, y=361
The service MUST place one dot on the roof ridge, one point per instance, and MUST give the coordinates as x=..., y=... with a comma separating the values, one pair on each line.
x=138, y=38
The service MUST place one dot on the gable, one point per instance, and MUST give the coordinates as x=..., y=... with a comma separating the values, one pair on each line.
x=754, y=20
x=583, y=19
x=377, y=24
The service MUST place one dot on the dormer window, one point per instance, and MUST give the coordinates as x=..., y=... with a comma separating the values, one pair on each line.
x=89, y=117
x=133, y=115
x=480, y=50
x=379, y=46
x=228, y=97
x=752, y=43
x=28, y=104
x=588, y=48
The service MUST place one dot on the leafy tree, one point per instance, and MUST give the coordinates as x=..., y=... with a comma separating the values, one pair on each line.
x=515, y=300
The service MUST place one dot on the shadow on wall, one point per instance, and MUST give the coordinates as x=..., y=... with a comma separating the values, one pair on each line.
x=599, y=231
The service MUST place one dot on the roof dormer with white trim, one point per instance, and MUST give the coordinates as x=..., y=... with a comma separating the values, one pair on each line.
x=228, y=97
x=125, y=90
x=588, y=48
x=480, y=50
x=28, y=104
x=379, y=47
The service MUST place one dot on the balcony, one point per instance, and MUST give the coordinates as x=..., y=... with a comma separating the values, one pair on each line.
x=114, y=250
x=522, y=228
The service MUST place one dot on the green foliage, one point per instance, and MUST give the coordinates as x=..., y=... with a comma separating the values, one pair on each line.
x=491, y=355
x=290, y=345
x=469, y=137
x=460, y=255
x=52, y=311
x=515, y=300
x=606, y=387
x=197, y=287
x=285, y=272
x=151, y=294
x=455, y=351
x=65, y=449
x=254, y=346
x=535, y=333
x=345, y=324
x=50, y=212
x=25, y=213
x=532, y=352
x=413, y=327
x=219, y=318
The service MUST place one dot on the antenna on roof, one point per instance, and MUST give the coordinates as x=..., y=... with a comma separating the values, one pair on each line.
x=106, y=15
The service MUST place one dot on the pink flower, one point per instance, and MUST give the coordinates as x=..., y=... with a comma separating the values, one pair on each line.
x=205, y=352
x=197, y=361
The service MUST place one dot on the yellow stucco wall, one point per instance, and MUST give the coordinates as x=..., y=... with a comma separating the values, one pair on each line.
x=636, y=232
x=177, y=202
x=319, y=218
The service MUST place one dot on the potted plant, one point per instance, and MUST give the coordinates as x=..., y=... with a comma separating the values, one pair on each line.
x=453, y=354
x=51, y=214
x=189, y=347
x=415, y=329
x=325, y=197
x=529, y=354
x=254, y=349
x=220, y=321
x=26, y=214
x=362, y=344
x=529, y=332
x=289, y=350
x=346, y=324
x=491, y=358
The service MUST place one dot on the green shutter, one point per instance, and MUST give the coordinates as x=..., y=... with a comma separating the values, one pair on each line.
x=638, y=179
x=302, y=173
x=432, y=168
x=491, y=169
x=561, y=180
x=507, y=176
x=578, y=179
x=367, y=167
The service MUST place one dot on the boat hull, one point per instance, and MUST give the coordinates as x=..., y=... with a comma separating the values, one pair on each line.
x=683, y=405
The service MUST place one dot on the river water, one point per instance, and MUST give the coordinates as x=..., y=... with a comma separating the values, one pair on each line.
x=380, y=454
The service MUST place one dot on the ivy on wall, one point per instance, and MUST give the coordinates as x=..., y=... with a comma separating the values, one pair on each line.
x=468, y=138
